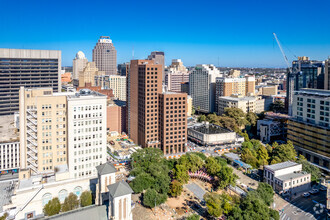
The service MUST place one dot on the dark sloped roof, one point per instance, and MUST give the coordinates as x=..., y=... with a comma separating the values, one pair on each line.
x=106, y=168
x=119, y=189
x=86, y=213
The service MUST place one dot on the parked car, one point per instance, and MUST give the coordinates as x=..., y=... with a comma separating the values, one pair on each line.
x=306, y=194
x=323, y=188
x=313, y=191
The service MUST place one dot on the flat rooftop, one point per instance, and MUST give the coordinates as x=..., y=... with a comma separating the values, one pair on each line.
x=8, y=132
x=209, y=129
x=280, y=166
x=292, y=175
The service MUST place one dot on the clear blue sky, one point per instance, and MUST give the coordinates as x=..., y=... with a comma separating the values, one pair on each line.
x=235, y=32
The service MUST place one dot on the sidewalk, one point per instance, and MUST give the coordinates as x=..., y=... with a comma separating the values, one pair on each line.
x=9, y=176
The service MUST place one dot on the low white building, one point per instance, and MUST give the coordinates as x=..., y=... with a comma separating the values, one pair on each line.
x=211, y=134
x=254, y=104
x=33, y=193
x=9, y=157
x=287, y=177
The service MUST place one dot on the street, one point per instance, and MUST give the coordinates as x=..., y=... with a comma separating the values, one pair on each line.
x=306, y=208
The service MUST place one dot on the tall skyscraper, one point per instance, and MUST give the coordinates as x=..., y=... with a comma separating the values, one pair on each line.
x=306, y=74
x=29, y=68
x=327, y=74
x=105, y=56
x=159, y=58
x=202, y=81
x=78, y=64
x=309, y=126
x=175, y=75
x=155, y=118
x=145, y=84
x=62, y=130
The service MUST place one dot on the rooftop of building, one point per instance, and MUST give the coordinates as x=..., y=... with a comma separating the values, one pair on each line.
x=206, y=128
x=113, y=102
x=119, y=189
x=238, y=98
x=8, y=131
x=85, y=93
x=85, y=213
x=293, y=176
x=317, y=93
x=280, y=166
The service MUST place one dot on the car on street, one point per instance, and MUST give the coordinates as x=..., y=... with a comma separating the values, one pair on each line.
x=323, y=188
x=306, y=194
x=313, y=191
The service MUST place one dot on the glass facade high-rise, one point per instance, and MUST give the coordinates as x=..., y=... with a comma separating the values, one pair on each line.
x=28, y=68
x=105, y=56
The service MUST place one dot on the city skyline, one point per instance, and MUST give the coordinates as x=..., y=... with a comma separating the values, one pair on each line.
x=235, y=34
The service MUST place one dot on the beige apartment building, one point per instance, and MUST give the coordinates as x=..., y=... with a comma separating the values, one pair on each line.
x=227, y=86
x=247, y=103
x=115, y=82
x=43, y=129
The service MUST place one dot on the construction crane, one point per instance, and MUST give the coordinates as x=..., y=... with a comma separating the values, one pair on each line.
x=290, y=78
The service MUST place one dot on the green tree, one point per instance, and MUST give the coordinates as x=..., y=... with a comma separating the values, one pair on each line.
x=252, y=118
x=248, y=156
x=201, y=118
x=143, y=158
x=266, y=193
x=309, y=168
x=180, y=173
x=212, y=166
x=262, y=155
x=226, y=177
x=200, y=154
x=193, y=217
x=150, y=197
x=175, y=188
x=238, y=115
x=229, y=123
x=142, y=182
x=195, y=162
x=70, y=203
x=86, y=198
x=53, y=207
x=277, y=106
x=4, y=216
x=284, y=152
x=213, y=204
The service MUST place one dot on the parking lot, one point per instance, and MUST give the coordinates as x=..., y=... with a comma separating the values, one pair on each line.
x=306, y=208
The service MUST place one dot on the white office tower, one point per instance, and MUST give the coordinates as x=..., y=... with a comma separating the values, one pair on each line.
x=78, y=64
x=87, y=133
x=202, y=80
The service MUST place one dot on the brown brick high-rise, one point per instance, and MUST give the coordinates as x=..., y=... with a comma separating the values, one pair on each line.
x=146, y=119
x=173, y=122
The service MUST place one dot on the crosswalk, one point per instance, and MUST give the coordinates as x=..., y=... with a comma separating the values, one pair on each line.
x=307, y=216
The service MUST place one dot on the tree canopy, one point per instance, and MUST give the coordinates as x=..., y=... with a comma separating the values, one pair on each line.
x=70, y=203
x=53, y=207
x=86, y=198
x=152, y=198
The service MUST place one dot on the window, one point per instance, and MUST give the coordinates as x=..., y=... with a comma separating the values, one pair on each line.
x=77, y=191
x=62, y=195
x=46, y=198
